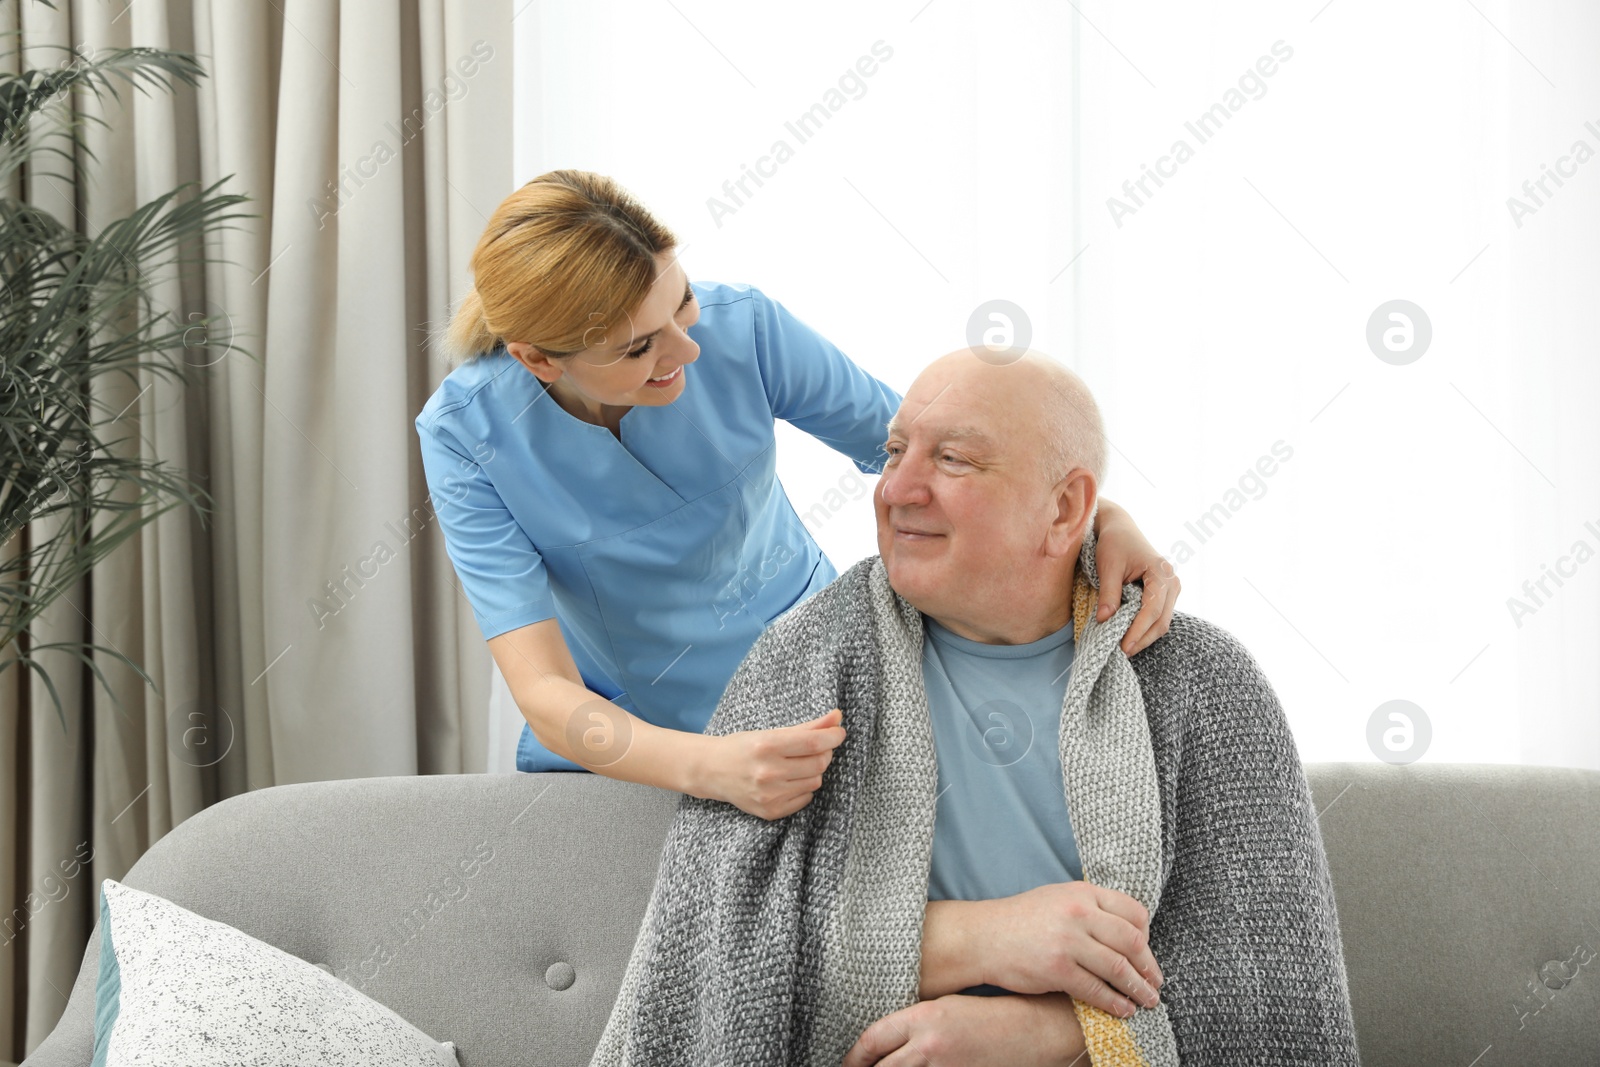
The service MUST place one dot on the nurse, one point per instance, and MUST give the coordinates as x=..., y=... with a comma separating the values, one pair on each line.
x=602, y=465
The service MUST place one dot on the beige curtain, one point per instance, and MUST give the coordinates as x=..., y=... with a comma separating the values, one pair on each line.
x=311, y=628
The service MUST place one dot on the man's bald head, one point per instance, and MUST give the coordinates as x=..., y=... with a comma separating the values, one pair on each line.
x=987, y=492
x=1037, y=396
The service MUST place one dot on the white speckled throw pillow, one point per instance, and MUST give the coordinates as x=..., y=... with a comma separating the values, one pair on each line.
x=179, y=990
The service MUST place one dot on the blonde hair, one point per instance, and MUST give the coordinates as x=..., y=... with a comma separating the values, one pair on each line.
x=563, y=263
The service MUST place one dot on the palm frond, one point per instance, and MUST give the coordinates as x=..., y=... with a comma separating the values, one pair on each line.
x=74, y=309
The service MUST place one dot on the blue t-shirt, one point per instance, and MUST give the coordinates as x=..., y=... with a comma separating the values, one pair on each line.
x=662, y=554
x=1001, y=824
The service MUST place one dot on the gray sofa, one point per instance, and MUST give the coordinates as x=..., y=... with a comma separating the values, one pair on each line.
x=1463, y=890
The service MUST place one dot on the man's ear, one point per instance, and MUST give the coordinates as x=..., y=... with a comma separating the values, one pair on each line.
x=1075, y=497
x=538, y=363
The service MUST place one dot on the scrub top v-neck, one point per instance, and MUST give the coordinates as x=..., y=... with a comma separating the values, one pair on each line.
x=665, y=551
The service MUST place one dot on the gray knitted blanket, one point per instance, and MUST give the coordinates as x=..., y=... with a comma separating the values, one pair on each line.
x=778, y=943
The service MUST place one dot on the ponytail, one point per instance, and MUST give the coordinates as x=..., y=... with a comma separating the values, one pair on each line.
x=468, y=335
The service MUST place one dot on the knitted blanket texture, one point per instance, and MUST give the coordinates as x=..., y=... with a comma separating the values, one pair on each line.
x=779, y=942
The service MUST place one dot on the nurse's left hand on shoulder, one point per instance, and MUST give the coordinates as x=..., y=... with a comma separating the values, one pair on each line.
x=1123, y=554
x=771, y=773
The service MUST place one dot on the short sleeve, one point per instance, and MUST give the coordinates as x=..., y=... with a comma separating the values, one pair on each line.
x=816, y=387
x=501, y=572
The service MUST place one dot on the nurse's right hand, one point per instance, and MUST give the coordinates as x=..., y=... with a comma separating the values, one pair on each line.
x=771, y=773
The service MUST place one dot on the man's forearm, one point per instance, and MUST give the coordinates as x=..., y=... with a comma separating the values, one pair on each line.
x=1063, y=1031
x=951, y=939
x=952, y=943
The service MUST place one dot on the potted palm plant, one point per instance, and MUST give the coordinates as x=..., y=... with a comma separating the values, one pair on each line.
x=75, y=307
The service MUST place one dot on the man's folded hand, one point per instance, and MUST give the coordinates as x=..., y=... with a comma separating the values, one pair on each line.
x=967, y=1031
x=1073, y=937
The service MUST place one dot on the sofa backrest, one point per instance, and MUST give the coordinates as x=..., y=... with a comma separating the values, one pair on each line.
x=498, y=911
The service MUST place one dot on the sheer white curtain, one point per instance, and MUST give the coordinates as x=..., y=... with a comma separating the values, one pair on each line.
x=1365, y=521
x=1229, y=312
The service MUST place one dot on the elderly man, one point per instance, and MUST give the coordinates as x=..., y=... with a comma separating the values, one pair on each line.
x=1028, y=846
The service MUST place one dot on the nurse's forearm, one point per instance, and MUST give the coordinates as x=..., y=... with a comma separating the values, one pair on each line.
x=578, y=724
x=1106, y=510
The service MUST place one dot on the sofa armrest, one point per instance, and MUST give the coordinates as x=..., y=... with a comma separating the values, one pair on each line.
x=71, y=1043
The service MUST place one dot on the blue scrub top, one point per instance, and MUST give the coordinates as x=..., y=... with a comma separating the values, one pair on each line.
x=663, y=555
